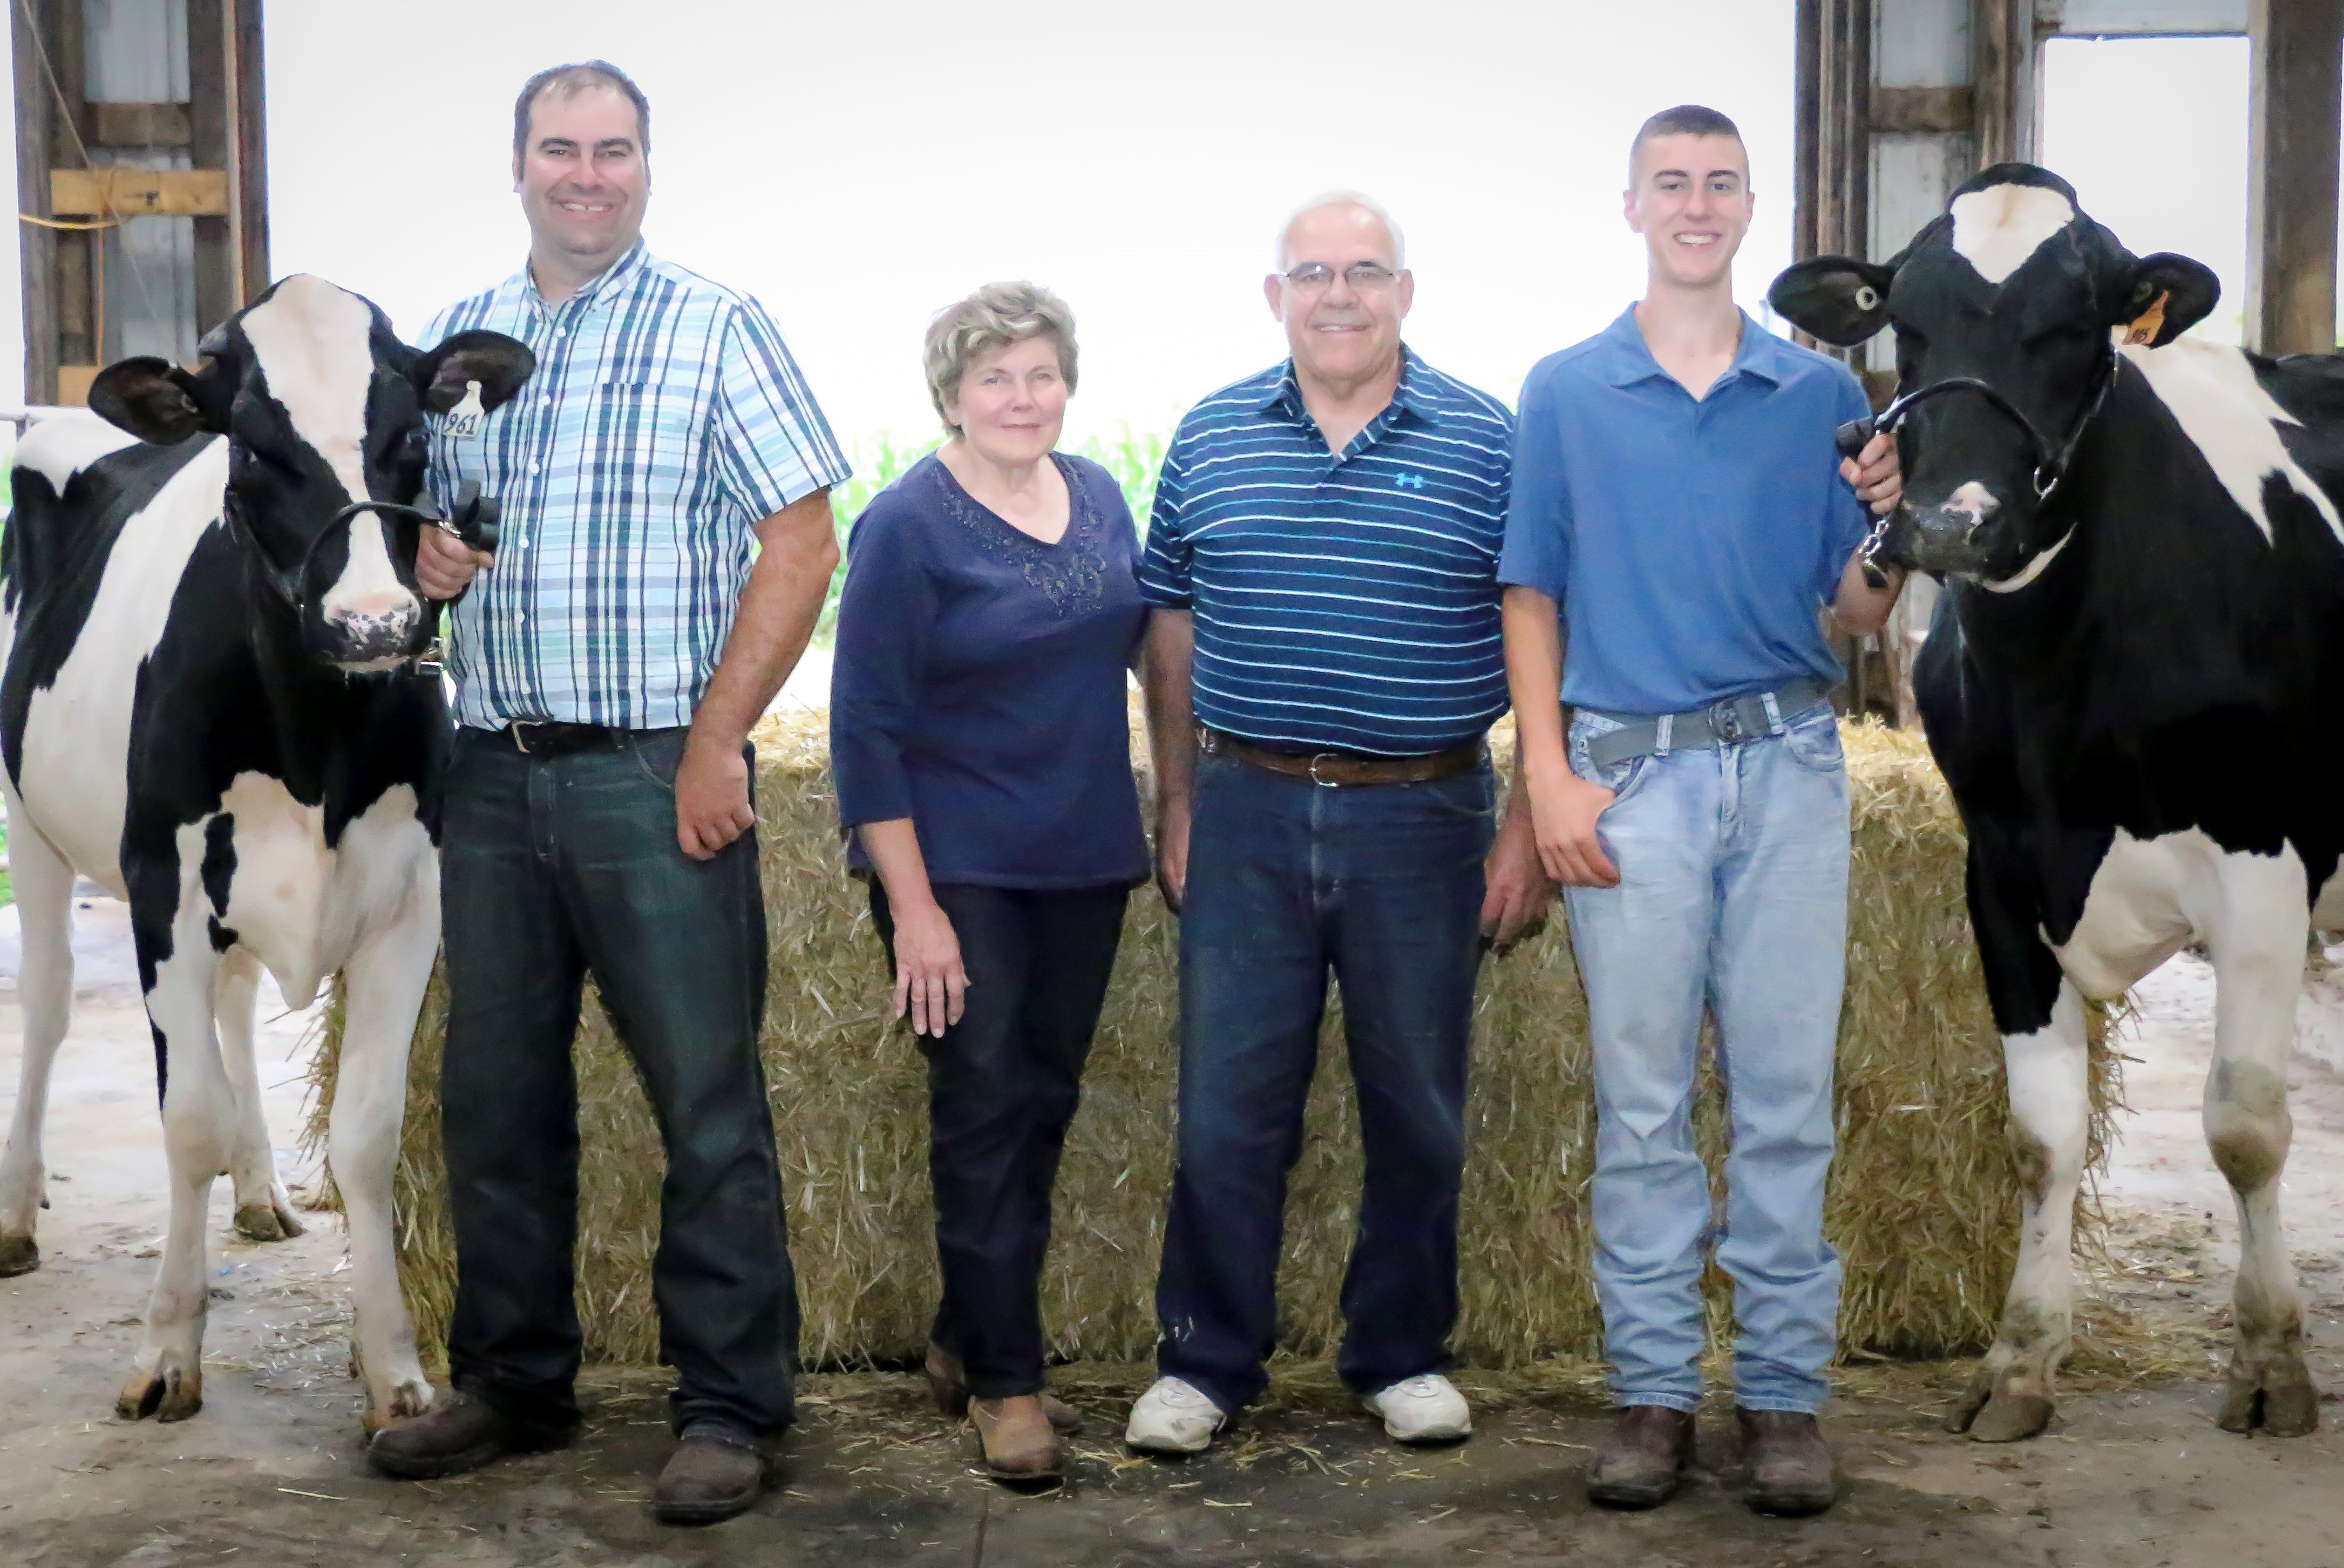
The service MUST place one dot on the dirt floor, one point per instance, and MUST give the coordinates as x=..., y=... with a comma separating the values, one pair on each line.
x=270, y=1473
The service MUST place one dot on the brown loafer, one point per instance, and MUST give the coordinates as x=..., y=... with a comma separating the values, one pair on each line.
x=456, y=1435
x=1790, y=1469
x=713, y=1474
x=948, y=1382
x=1019, y=1442
x=1643, y=1460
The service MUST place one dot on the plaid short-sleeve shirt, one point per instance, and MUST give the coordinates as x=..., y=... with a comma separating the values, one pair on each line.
x=665, y=421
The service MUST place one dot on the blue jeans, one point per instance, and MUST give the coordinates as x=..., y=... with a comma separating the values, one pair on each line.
x=1732, y=897
x=1287, y=880
x=552, y=868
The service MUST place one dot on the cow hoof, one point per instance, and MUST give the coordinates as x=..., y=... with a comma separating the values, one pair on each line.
x=266, y=1222
x=2011, y=1418
x=2285, y=1404
x=407, y=1401
x=18, y=1255
x=172, y=1395
x=1973, y=1400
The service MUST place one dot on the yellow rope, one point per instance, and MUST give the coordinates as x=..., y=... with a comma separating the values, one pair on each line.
x=68, y=223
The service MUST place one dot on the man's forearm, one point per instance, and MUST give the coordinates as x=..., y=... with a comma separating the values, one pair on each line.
x=1534, y=678
x=1171, y=712
x=778, y=612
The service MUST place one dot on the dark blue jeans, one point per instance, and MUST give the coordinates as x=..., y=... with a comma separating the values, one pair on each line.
x=552, y=867
x=1382, y=885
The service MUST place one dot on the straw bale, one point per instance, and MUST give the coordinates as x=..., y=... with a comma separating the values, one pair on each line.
x=1923, y=1203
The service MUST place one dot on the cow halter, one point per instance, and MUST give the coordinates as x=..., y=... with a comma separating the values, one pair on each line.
x=473, y=520
x=2050, y=463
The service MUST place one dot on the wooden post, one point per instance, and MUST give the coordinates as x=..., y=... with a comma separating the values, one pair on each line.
x=248, y=151
x=2293, y=105
x=209, y=96
x=2001, y=43
x=36, y=246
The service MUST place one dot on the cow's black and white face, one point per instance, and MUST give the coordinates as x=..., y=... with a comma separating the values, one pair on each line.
x=322, y=406
x=2017, y=289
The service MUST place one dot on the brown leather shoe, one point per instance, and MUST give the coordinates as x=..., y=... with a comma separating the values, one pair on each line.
x=714, y=1474
x=1791, y=1470
x=948, y=1382
x=456, y=1435
x=1643, y=1460
x=1019, y=1444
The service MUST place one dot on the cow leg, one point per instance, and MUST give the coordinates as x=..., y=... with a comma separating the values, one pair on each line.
x=44, y=887
x=383, y=985
x=2258, y=952
x=2050, y=1115
x=264, y=1210
x=199, y=1140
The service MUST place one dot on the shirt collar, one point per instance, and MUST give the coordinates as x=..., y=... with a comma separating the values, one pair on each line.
x=1414, y=395
x=1759, y=353
x=604, y=284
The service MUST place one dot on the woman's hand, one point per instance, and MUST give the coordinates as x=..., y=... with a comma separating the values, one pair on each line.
x=1563, y=811
x=930, y=983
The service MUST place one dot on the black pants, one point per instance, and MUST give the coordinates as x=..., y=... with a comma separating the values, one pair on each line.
x=1003, y=1084
x=550, y=867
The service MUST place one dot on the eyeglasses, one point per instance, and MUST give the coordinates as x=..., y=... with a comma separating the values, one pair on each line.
x=1364, y=276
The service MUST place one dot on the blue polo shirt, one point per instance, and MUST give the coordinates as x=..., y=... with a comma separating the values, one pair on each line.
x=1343, y=602
x=1690, y=544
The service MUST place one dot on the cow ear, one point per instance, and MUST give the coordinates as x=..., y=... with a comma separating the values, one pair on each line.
x=2167, y=295
x=501, y=364
x=1837, y=299
x=157, y=401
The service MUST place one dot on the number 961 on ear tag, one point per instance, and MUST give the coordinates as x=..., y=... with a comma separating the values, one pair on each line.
x=464, y=419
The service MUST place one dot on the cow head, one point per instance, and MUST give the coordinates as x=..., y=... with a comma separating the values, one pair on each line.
x=2004, y=309
x=323, y=406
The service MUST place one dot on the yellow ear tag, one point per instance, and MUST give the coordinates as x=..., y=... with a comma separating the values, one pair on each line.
x=464, y=419
x=2149, y=323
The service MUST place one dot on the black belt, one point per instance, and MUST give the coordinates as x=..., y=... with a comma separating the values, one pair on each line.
x=552, y=739
x=1340, y=768
x=1726, y=723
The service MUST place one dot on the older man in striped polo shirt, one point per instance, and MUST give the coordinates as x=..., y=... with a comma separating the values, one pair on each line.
x=609, y=662
x=1322, y=561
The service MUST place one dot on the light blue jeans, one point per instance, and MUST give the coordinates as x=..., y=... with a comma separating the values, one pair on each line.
x=1732, y=897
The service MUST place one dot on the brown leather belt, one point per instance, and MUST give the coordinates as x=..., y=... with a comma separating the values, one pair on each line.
x=1337, y=769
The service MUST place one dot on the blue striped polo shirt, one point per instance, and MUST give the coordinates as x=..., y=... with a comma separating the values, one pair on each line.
x=1342, y=602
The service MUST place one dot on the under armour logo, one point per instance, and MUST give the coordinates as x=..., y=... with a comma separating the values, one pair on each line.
x=1408, y=481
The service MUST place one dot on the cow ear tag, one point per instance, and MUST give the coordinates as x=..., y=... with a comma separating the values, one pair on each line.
x=2149, y=323
x=464, y=419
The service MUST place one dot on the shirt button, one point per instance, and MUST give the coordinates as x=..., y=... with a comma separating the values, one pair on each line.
x=546, y=400
x=532, y=467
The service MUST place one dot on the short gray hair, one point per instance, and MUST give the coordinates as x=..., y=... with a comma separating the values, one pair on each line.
x=986, y=322
x=1365, y=203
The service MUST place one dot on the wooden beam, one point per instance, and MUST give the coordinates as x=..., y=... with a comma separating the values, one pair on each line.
x=2295, y=91
x=211, y=147
x=1806, y=131
x=37, y=248
x=138, y=125
x=2001, y=43
x=1922, y=108
x=119, y=192
x=249, y=165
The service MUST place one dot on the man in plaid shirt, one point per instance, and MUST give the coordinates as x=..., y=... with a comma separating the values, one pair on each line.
x=609, y=662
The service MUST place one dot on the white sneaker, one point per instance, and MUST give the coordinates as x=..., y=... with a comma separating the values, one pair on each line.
x=1173, y=1417
x=1427, y=1409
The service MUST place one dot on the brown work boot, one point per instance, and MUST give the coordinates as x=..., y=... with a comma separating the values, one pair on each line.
x=714, y=1474
x=1643, y=1459
x=456, y=1435
x=1791, y=1470
x=1019, y=1444
x=948, y=1382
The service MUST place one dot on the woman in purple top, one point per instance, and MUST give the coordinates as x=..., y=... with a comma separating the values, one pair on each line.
x=978, y=735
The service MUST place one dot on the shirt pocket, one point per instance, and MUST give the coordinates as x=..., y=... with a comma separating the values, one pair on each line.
x=646, y=428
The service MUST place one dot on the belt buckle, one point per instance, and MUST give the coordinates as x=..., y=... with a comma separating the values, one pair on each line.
x=1725, y=723
x=1315, y=758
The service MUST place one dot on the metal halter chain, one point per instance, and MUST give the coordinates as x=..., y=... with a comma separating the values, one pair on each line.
x=2050, y=464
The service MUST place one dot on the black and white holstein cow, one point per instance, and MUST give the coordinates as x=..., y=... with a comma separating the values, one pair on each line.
x=211, y=706
x=2134, y=684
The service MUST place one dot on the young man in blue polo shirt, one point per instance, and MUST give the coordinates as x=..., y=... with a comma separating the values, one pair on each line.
x=1677, y=493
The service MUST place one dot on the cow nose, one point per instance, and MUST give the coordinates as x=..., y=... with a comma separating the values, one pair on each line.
x=373, y=626
x=1969, y=509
